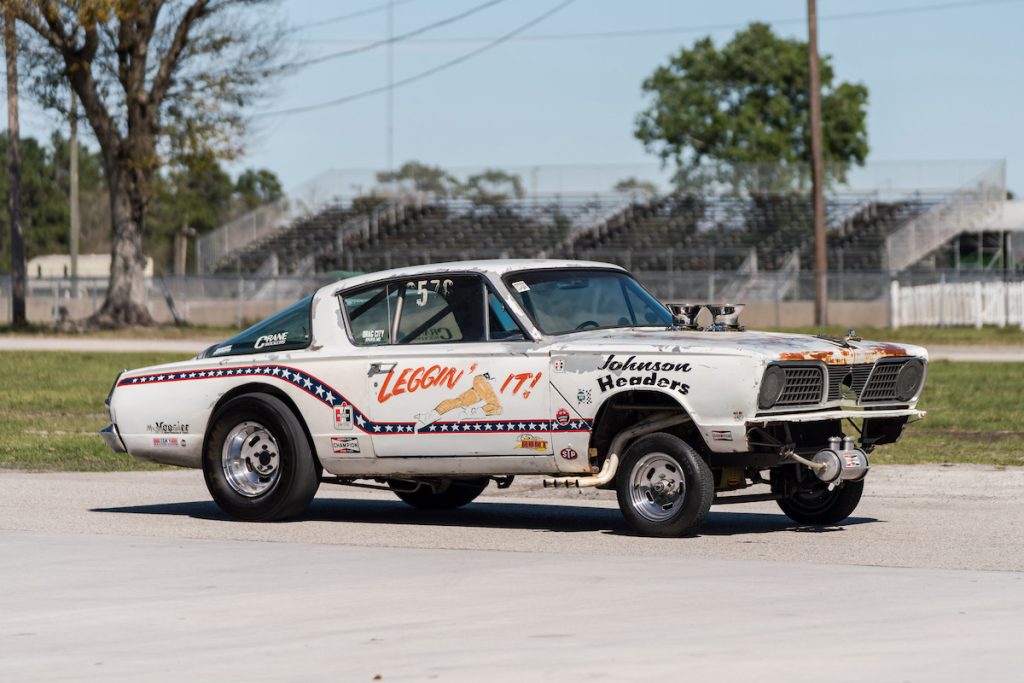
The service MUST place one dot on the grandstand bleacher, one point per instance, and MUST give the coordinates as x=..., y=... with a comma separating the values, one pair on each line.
x=673, y=233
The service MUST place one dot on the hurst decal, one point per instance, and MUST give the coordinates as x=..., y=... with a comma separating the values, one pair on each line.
x=343, y=416
x=633, y=373
x=411, y=380
x=479, y=401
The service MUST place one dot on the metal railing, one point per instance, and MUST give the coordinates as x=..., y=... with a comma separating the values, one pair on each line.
x=961, y=212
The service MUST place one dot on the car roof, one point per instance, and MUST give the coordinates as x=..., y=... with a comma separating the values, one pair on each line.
x=495, y=266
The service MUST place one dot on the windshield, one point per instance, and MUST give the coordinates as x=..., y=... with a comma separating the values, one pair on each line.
x=561, y=301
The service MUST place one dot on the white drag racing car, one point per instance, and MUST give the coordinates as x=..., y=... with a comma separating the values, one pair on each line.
x=434, y=381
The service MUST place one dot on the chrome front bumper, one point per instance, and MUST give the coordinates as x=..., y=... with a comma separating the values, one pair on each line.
x=833, y=415
x=112, y=439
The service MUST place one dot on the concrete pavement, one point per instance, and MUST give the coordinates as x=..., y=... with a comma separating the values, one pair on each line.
x=122, y=577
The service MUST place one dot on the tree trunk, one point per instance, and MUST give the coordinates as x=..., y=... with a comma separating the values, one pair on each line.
x=18, y=266
x=126, y=291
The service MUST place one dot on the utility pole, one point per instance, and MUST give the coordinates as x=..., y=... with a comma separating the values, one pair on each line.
x=18, y=266
x=76, y=225
x=817, y=171
x=391, y=85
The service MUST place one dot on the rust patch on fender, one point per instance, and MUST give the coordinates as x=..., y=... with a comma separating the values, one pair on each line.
x=886, y=350
x=838, y=356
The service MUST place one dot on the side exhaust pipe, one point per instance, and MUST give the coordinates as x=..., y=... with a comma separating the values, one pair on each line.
x=611, y=463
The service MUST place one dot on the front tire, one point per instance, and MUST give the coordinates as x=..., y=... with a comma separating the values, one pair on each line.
x=664, y=487
x=817, y=505
x=453, y=494
x=257, y=461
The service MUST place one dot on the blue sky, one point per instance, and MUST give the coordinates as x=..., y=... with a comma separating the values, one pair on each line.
x=943, y=85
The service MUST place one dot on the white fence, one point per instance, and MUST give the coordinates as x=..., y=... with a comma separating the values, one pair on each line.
x=958, y=304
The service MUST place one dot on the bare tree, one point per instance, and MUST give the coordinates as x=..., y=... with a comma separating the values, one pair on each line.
x=18, y=267
x=155, y=79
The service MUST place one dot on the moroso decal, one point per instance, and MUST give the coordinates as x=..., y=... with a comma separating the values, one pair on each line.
x=161, y=427
x=332, y=398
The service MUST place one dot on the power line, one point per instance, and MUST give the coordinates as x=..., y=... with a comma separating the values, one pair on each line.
x=400, y=37
x=351, y=15
x=424, y=74
x=673, y=30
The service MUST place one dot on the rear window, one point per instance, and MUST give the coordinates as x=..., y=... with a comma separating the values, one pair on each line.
x=285, y=331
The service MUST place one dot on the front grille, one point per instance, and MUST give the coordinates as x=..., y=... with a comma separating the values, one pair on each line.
x=837, y=375
x=803, y=386
x=882, y=384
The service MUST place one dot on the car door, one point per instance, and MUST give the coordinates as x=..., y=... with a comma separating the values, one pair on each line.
x=452, y=373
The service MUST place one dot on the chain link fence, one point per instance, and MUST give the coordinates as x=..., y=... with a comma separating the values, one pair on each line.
x=773, y=298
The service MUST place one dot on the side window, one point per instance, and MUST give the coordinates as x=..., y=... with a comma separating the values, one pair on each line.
x=442, y=309
x=284, y=331
x=371, y=314
x=642, y=308
x=501, y=324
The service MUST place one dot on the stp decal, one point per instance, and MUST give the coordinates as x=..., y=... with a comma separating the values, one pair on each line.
x=569, y=453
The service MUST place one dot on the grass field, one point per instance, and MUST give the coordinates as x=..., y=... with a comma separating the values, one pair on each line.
x=51, y=407
x=948, y=336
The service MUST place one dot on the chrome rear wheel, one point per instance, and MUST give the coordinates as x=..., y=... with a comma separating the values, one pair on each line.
x=251, y=459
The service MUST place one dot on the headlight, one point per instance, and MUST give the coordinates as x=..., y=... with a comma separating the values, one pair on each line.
x=908, y=381
x=772, y=384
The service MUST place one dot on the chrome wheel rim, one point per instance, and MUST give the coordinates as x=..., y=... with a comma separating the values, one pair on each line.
x=657, y=487
x=251, y=459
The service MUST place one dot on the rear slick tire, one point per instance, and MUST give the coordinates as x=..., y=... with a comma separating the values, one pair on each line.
x=257, y=461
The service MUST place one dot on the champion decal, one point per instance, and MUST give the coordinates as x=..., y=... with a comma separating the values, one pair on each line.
x=329, y=396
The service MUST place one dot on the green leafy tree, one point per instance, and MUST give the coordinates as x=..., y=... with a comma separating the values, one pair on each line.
x=420, y=177
x=256, y=187
x=635, y=186
x=746, y=104
x=45, y=185
x=155, y=79
x=493, y=187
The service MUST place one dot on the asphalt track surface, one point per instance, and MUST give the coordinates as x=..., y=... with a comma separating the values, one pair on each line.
x=191, y=346
x=128, y=577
